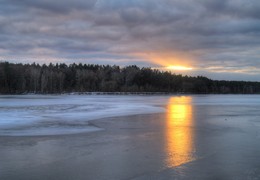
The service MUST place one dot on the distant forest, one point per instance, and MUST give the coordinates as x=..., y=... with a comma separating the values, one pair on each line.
x=62, y=78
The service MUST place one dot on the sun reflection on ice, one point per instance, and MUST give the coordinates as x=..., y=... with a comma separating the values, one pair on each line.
x=179, y=133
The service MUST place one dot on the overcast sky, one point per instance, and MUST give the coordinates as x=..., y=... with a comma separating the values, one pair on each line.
x=217, y=38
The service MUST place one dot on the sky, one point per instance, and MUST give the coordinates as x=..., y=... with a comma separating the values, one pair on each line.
x=219, y=39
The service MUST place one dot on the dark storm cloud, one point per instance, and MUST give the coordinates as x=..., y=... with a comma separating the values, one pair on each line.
x=205, y=34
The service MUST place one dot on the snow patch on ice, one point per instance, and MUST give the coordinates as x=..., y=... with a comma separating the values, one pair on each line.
x=65, y=114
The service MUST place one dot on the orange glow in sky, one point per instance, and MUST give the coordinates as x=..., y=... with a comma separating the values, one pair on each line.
x=169, y=61
x=181, y=68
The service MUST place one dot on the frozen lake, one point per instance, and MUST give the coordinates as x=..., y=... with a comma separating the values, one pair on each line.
x=66, y=114
x=130, y=137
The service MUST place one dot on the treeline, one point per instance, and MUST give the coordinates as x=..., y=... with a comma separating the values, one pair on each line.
x=61, y=78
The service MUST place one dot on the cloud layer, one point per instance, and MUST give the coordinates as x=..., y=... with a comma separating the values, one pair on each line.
x=214, y=37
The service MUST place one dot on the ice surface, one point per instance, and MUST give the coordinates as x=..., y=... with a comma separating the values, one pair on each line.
x=196, y=137
x=61, y=114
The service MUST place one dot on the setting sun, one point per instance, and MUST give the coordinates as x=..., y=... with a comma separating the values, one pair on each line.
x=180, y=68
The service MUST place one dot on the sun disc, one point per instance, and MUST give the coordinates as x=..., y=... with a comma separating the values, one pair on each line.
x=180, y=68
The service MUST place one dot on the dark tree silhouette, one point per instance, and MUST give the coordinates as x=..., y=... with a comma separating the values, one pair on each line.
x=61, y=78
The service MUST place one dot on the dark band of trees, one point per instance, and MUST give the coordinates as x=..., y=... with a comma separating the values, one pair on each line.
x=61, y=78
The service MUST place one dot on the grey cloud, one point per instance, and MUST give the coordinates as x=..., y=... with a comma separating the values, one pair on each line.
x=210, y=32
x=234, y=8
x=63, y=6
